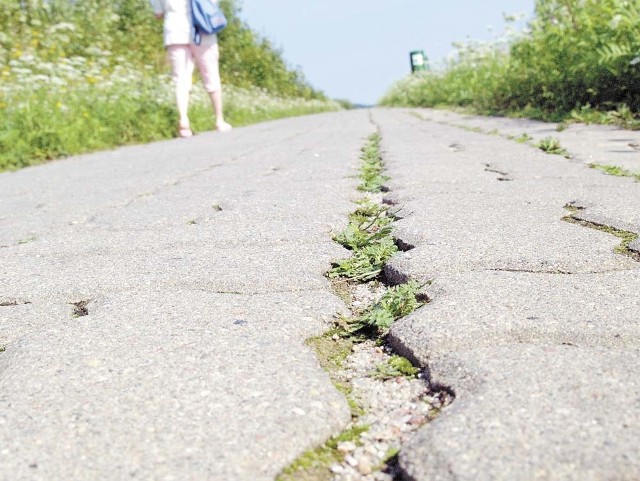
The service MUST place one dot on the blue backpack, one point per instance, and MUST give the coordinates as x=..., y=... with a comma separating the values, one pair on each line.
x=207, y=18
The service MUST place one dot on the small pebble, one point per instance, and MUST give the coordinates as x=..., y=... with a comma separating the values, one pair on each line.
x=351, y=461
x=347, y=447
x=364, y=466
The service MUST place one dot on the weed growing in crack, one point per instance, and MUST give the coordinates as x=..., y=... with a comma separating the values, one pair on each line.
x=524, y=138
x=626, y=236
x=372, y=166
x=396, y=366
x=312, y=465
x=366, y=263
x=27, y=240
x=354, y=355
x=397, y=302
x=615, y=170
x=551, y=145
x=369, y=224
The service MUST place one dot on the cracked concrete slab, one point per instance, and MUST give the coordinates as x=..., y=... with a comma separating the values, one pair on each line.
x=533, y=413
x=490, y=309
x=169, y=385
x=196, y=268
x=533, y=321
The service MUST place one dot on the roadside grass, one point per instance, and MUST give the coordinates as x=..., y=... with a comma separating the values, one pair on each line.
x=45, y=124
x=576, y=61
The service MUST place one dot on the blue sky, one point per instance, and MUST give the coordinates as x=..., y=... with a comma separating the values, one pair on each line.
x=355, y=49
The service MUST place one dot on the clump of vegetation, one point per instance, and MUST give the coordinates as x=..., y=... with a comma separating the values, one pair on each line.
x=524, y=138
x=397, y=302
x=615, y=170
x=396, y=366
x=372, y=166
x=578, y=59
x=551, y=145
x=368, y=233
x=313, y=465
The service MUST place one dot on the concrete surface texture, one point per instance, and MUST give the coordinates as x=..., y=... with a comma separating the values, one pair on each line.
x=534, y=322
x=155, y=301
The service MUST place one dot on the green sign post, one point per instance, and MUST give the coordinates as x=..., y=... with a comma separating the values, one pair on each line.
x=418, y=61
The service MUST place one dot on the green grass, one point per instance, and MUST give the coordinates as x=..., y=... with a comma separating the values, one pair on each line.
x=616, y=171
x=397, y=302
x=551, y=145
x=396, y=366
x=524, y=138
x=42, y=125
x=368, y=233
x=372, y=166
x=577, y=61
x=313, y=465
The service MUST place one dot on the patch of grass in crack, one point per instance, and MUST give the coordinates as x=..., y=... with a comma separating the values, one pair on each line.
x=397, y=302
x=314, y=464
x=626, y=237
x=372, y=166
x=396, y=366
x=551, y=145
x=332, y=348
x=523, y=139
x=616, y=171
x=368, y=235
x=369, y=224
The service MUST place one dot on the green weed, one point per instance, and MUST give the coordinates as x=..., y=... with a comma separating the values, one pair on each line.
x=372, y=166
x=615, y=170
x=366, y=263
x=313, y=465
x=396, y=366
x=524, y=138
x=397, y=302
x=552, y=145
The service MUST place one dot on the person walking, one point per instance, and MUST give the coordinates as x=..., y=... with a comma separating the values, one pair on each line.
x=183, y=53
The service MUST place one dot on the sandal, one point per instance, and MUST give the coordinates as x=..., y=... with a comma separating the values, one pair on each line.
x=185, y=132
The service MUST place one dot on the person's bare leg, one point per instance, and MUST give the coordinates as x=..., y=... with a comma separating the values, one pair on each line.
x=207, y=57
x=216, y=101
x=182, y=67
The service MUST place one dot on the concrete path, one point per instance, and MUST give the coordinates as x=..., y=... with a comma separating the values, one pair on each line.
x=155, y=301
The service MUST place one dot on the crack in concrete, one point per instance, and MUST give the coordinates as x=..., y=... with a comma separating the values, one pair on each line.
x=11, y=302
x=629, y=245
x=503, y=176
x=440, y=395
